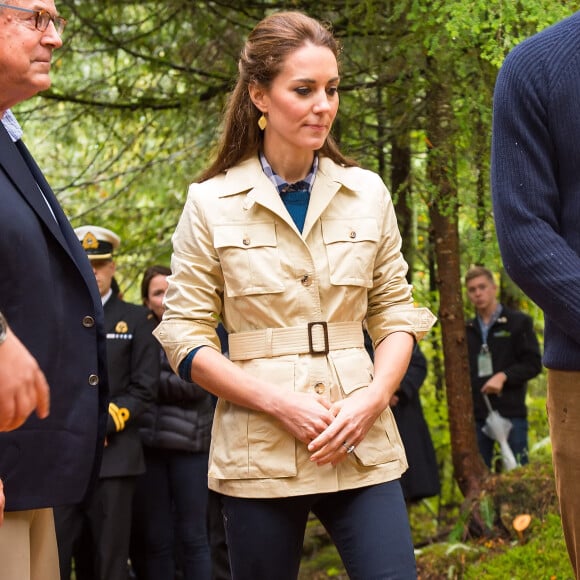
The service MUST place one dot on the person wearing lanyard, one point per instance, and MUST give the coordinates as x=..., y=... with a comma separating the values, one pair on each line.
x=503, y=355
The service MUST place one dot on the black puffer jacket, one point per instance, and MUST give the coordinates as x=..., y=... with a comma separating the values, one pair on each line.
x=182, y=416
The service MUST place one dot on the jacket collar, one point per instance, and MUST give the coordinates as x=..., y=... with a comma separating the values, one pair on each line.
x=249, y=178
x=502, y=319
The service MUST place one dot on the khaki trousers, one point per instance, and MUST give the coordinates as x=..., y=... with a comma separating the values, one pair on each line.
x=28, y=548
x=563, y=406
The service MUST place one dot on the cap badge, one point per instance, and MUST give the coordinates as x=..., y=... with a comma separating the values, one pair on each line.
x=90, y=242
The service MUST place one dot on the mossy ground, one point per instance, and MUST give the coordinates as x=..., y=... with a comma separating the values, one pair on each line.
x=447, y=549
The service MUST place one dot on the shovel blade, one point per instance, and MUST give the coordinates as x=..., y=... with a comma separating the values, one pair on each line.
x=498, y=428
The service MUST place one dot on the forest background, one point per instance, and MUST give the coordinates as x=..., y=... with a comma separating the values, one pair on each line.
x=133, y=115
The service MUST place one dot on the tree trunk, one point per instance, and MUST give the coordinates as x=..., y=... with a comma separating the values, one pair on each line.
x=401, y=190
x=469, y=469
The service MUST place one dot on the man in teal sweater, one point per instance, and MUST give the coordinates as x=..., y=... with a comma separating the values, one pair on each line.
x=536, y=196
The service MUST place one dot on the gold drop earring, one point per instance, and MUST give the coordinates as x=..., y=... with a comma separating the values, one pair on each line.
x=262, y=122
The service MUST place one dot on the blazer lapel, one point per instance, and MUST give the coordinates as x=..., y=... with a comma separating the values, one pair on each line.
x=61, y=228
x=22, y=170
x=14, y=159
x=30, y=182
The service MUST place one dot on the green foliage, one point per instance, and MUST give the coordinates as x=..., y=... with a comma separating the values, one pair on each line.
x=543, y=557
x=538, y=553
x=487, y=511
x=458, y=531
x=446, y=556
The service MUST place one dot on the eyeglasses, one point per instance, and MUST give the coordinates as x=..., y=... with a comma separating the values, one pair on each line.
x=43, y=18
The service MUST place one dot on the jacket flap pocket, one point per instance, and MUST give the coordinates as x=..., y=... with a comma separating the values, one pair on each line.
x=354, y=369
x=245, y=236
x=350, y=230
x=248, y=444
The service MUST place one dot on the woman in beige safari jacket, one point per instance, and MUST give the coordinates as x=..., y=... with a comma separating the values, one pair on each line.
x=294, y=248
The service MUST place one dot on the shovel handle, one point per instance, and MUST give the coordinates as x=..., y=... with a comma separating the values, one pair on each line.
x=488, y=404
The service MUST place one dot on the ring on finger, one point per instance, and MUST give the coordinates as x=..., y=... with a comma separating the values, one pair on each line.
x=349, y=448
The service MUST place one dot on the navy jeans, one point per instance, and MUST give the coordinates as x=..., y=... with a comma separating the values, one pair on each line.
x=517, y=440
x=170, y=516
x=368, y=525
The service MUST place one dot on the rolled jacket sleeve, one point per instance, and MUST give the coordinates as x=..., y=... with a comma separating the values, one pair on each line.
x=391, y=308
x=194, y=297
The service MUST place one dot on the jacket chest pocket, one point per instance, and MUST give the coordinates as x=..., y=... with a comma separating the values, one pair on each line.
x=249, y=258
x=351, y=247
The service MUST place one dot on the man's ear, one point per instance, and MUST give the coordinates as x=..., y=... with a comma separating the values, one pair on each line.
x=258, y=97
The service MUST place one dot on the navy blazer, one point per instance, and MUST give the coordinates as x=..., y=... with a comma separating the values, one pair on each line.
x=49, y=296
x=133, y=364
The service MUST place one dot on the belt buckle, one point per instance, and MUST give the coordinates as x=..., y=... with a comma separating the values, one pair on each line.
x=324, y=326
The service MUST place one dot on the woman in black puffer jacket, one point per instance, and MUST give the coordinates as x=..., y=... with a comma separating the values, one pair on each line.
x=170, y=506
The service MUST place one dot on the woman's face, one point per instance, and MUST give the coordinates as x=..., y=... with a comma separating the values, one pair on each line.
x=302, y=102
x=155, y=295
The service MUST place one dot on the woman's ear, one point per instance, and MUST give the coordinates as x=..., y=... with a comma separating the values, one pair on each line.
x=258, y=97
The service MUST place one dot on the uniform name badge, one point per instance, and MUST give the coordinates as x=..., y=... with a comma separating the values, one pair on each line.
x=484, y=364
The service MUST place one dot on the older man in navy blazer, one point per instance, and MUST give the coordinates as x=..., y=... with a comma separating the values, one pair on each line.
x=51, y=322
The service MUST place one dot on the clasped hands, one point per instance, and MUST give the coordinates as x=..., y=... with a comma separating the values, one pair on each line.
x=330, y=430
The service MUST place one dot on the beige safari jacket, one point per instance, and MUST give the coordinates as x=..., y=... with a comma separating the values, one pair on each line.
x=238, y=255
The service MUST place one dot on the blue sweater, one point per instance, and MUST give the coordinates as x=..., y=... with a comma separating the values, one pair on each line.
x=535, y=180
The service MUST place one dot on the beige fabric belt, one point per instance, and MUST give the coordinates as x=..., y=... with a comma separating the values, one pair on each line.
x=312, y=338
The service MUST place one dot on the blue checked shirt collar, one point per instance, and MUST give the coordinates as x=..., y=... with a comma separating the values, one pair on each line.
x=11, y=125
x=284, y=187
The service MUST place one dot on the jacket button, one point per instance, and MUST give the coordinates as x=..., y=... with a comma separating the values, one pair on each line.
x=88, y=322
x=93, y=380
x=246, y=241
x=306, y=280
x=352, y=235
x=319, y=388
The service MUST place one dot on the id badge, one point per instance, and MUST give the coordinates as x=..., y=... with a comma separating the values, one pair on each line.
x=484, y=364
